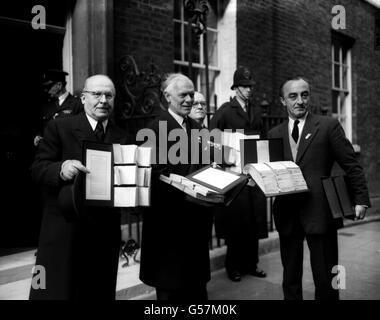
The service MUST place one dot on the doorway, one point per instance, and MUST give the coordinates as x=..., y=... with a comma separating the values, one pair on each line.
x=25, y=54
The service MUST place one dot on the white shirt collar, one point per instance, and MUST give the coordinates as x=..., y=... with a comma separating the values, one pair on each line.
x=300, y=125
x=241, y=102
x=177, y=118
x=62, y=97
x=94, y=122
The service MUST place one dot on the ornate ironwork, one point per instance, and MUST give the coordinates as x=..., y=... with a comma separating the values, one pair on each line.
x=129, y=249
x=197, y=11
x=141, y=93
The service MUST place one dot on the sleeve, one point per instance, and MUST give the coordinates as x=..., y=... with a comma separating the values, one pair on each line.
x=47, y=164
x=344, y=155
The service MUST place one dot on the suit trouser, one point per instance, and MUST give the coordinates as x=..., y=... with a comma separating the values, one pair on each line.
x=323, y=257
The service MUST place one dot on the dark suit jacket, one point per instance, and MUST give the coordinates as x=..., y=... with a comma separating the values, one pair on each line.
x=174, y=249
x=316, y=155
x=231, y=221
x=80, y=256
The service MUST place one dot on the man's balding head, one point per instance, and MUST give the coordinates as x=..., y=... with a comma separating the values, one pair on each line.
x=98, y=97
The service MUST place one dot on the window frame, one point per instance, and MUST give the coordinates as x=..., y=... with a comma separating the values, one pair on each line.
x=197, y=65
x=344, y=108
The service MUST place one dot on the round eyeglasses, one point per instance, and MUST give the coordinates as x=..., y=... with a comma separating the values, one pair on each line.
x=99, y=94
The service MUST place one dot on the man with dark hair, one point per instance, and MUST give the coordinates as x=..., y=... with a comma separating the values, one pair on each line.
x=61, y=102
x=78, y=246
x=244, y=221
x=314, y=143
x=175, y=236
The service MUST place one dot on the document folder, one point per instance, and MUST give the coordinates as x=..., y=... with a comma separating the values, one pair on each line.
x=338, y=197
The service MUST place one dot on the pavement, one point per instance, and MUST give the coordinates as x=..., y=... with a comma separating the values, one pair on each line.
x=359, y=254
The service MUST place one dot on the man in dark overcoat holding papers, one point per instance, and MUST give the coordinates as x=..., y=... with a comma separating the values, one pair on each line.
x=78, y=247
x=314, y=143
x=176, y=232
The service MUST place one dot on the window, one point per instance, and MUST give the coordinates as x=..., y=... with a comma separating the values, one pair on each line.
x=181, y=56
x=341, y=85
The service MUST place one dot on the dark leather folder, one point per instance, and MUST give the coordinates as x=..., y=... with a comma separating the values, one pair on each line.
x=338, y=197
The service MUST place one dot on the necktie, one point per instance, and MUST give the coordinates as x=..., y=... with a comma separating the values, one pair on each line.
x=248, y=109
x=99, y=131
x=295, y=132
x=186, y=124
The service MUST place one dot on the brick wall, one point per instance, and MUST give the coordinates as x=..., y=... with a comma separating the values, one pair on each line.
x=144, y=29
x=277, y=39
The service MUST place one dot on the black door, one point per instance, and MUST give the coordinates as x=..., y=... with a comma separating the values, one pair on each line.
x=25, y=53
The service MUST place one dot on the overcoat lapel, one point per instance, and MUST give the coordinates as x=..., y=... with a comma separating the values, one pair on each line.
x=239, y=110
x=285, y=139
x=309, y=131
x=82, y=129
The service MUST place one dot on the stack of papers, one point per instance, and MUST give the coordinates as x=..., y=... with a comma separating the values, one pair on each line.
x=132, y=175
x=283, y=176
x=264, y=176
x=124, y=175
x=126, y=197
x=192, y=188
x=299, y=182
x=277, y=177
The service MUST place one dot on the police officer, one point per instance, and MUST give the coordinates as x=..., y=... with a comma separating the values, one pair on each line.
x=60, y=102
x=244, y=221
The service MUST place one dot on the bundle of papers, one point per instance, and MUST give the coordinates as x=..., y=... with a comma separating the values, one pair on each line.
x=132, y=154
x=283, y=176
x=192, y=188
x=131, y=196
x=132, y=175
x=264, y=176
x=125, y=175
x=299, y=182
x=277, y=177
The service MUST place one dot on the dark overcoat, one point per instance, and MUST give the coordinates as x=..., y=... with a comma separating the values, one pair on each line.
x=80, y=255
x=176, y=231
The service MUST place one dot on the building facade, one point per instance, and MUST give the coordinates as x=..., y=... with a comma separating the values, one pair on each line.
x=335, y=45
